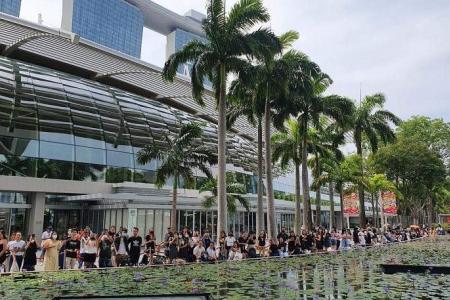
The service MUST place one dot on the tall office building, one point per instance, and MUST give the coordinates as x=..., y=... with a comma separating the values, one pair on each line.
x=10, y=7
x=116, y=24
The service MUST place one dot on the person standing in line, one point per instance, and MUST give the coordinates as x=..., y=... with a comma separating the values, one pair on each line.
x=173, y=247
x=105, y=250
x=46, y=235
x=261, y=244
x=150, y=247
x=90, y=252
x=72, y=250
x=3, y=249
x=29, y=260
x=83, y=241
x=121, y=248
x=112, y=236
x=16, y=247
x=229, y=242
x=51, y=247
x=134, y=247
x=198, y=251
x=212, y=253
x=184, y=241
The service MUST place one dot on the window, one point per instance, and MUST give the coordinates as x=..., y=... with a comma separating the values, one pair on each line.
x=144, y=176
x=90, y=155
x=60, y=133
x=56, y=169
x=119, y=159
x=17, y=166
x=19, y=147
x=56, y=151
x=89, y=172
x=116, y=175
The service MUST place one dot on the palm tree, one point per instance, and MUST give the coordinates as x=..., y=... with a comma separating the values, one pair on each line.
x=323, y=143
x=266, y=83
x=372, y=122
x=287, y=149
x=311, y=105
x=235, y=192
x=183, y=154
x=244, y=102
x=228, y=41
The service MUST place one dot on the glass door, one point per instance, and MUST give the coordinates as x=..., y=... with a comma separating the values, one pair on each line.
x=5, y=215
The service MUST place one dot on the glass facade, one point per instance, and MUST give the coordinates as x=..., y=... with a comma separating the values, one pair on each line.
x=13, y=211
x=114, y=23
x=10, y=7
x=183, y=37
x=53, y=125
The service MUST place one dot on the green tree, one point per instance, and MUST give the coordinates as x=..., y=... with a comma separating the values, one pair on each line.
x=323, y=144
x=266, y=84
x=375, y=184
x=416, y=171
x=182, y=154
x=309, y=105
x=286, y=150
x=229, y=40
x=235, y=192
x=432, y=132
x=244, y=101
x=370, y=121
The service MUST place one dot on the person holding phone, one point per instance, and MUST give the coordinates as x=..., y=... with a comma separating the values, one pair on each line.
x=29, y=260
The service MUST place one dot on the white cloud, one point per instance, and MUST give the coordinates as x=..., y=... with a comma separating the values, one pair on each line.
x=401, y=48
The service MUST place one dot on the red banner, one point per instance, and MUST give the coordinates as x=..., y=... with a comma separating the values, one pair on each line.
x=389, y=203
x=351, y=204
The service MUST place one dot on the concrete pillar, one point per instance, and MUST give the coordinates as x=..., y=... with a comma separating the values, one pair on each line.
x=36, y=219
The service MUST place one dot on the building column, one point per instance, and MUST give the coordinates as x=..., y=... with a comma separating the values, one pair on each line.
x=36, y=219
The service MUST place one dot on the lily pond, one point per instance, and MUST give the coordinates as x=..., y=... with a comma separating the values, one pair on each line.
x=354, y=274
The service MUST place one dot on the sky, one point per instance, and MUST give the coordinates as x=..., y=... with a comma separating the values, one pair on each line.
x=400, y=48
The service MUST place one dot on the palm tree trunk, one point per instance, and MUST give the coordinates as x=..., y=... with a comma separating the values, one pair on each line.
x=430, y=211
x=259, y=201
x=318, y=207
x=298, y=209
x=269, y=187
x=341, y=203
x=331, y=193
x=307, y=218
x=377, y=223
x=373, y=210
x=221, y=177
x=173, y=215
x=362, y=210
x=318, y=196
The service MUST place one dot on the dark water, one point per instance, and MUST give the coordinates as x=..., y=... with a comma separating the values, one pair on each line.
x=352, y=275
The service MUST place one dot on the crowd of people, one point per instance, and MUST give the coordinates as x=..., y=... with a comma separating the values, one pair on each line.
x=116, y=248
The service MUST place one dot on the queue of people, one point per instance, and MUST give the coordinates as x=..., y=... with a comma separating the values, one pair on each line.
x=117, y=248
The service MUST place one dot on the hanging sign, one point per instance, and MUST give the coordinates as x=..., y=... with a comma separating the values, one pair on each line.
x=351, y=204
x=389, y=203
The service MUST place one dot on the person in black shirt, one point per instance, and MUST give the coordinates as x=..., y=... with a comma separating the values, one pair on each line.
x=134, y=247
x=242, y=240
x=291, y=242
x=283, y=234
x=105, y=251
x=150, y=246
x=261, y=247
x=29, y=260
x=72, y=249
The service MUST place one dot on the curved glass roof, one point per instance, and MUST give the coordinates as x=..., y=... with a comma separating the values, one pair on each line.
x=50, y=115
